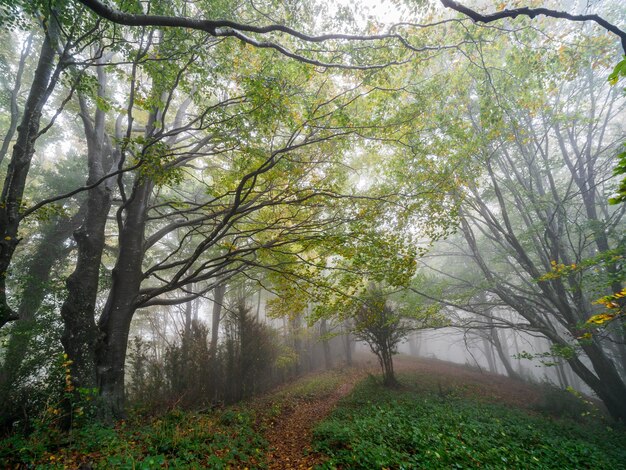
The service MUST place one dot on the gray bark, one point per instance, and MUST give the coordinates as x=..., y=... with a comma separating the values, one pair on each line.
x=44, y=81
x=80, y=335
x=218, y=302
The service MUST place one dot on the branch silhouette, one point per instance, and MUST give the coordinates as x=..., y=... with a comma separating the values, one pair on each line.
x=532, y=13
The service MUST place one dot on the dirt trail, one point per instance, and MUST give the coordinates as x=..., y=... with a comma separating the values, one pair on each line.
x=290, y=433
x=290, y=436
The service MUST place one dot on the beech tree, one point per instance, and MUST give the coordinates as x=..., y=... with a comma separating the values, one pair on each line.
x=249, y=210
x=216, y=147
x=57, y=48
x=384, y=323
x=540, y=204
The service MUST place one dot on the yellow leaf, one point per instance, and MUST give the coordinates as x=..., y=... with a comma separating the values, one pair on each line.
x=601, y=318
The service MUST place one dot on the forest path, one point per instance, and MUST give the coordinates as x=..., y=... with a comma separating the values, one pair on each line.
x=290, y=433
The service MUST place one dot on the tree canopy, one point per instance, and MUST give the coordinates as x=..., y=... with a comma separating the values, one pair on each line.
x=160, y=154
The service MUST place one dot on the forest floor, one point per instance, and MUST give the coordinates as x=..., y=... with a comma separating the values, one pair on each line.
x=448, y=377
x=444, y=416
x=465, y=415
x=441, y=416
x=290, y=433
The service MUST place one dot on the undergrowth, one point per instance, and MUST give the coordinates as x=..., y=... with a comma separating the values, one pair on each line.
x=220, y=438
x=409, y=428
x=176, y=440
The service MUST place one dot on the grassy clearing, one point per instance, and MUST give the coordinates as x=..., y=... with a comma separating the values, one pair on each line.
x=414, y=428
x=222, y=438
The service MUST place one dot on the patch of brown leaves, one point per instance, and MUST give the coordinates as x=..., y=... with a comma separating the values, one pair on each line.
x=289, y=434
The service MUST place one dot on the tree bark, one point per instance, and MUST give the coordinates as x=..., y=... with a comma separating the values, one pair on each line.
x=44, y=80
x=560, y=373
x=328, y=363
x=504, y=357
x=296, y=338
x=385, y=357
x=488, y=348
x=36, y=284
x=80, y=334
x=218, y=301
x=347, y=343
x=14, y=118
x=114, y=324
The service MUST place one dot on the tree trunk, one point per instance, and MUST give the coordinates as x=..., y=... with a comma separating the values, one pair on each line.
x=328, y=364
x=80, y=333
x=415, y=344
x=49, y=251
x=488, y=348
x=218, y=301
x=15, y=92
x=258, y=305
x=44, y=81
x=386, y=361
x=36, y=283
x=115, y=320
x=610, y=387
x=188, y=319
x=347, y=342
x=504, y=357
x=560, y=373
x=296, y=339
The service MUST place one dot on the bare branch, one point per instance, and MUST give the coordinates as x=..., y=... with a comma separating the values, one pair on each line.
x=227, y=28
x=97, y=183
x=532, y=13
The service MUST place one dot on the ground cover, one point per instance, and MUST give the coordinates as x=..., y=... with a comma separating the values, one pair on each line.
x=443, y=416
x=438, y=426
x=178, y=439
x=269, y=431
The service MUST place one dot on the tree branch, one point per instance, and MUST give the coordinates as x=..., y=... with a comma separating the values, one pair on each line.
x=532, y=13
x=227, y=28
x=88, y=187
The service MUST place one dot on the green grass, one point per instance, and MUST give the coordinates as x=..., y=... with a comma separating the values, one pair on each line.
x=410, y=428
x=228, y=438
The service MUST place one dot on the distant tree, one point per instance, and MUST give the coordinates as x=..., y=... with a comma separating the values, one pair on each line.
x=381, y=326
x=384, y=323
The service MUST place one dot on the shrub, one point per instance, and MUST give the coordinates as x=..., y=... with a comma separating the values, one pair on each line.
x=562, y=403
